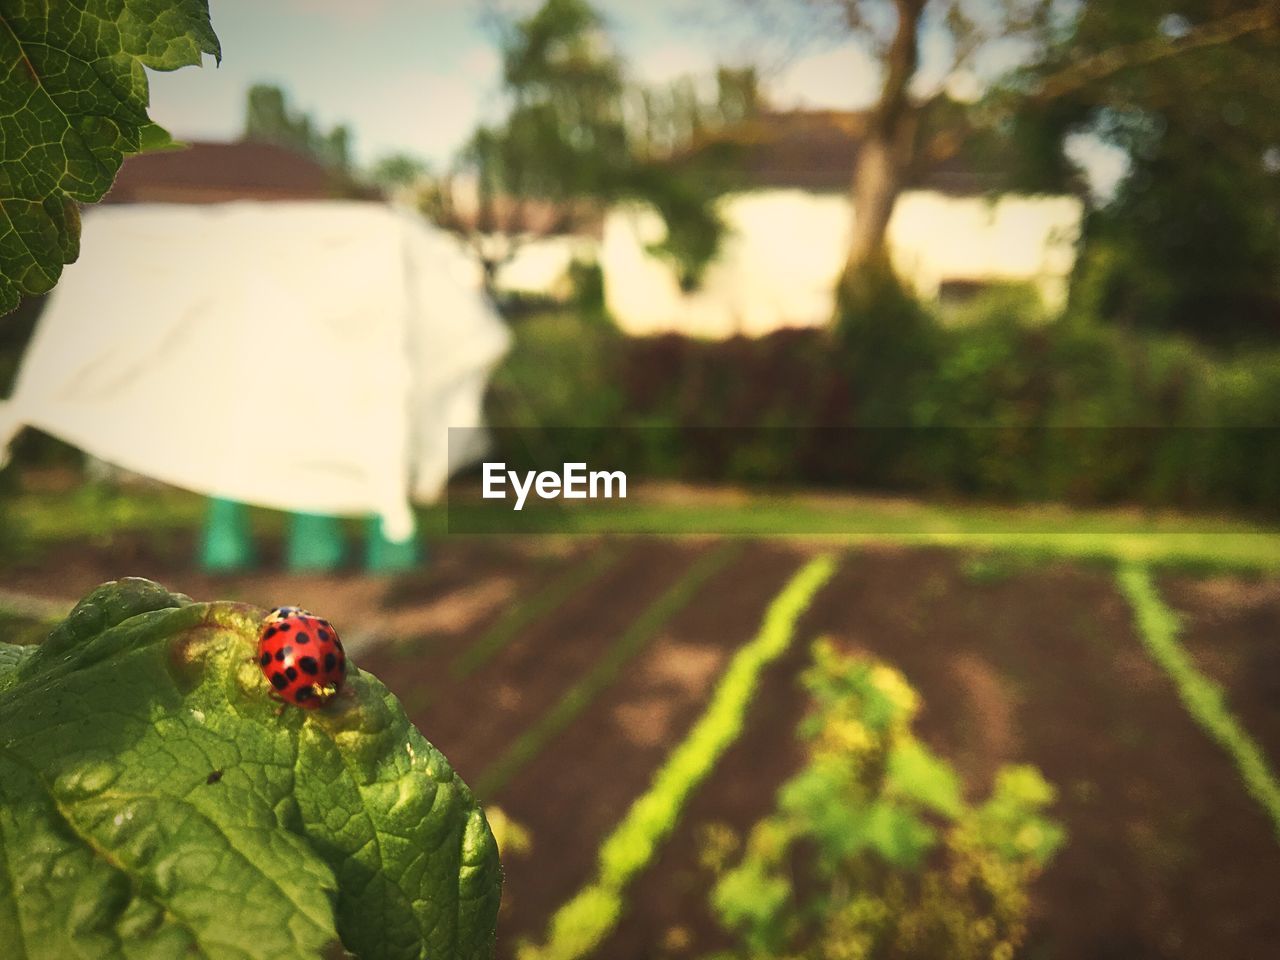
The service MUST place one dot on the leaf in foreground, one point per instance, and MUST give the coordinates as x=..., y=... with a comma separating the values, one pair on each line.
x=73, y=104
x=153, y=803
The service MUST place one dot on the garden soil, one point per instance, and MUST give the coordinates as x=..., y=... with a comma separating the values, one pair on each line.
x=1167, y=855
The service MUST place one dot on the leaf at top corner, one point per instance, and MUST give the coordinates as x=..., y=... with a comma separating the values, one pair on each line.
x=73, y=104
x=155, y=802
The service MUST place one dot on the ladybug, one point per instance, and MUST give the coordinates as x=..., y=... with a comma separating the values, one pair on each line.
x=301, y=657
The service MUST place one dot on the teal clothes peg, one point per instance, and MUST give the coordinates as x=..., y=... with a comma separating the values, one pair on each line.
x=389, y=556
x=226, y=543
x=315, y=543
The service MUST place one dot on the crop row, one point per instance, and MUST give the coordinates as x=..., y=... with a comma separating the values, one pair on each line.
x=588, y=917
x=1204, y=700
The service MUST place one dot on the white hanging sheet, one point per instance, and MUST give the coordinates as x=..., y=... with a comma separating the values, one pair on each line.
x=301, y=356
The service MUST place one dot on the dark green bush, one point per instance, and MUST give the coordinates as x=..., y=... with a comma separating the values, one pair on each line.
x=999, y=403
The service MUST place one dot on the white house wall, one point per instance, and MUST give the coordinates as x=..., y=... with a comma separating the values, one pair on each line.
x=540, y=266
x=783, y=254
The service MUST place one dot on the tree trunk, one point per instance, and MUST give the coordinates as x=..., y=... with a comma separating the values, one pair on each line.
x=887, y=147
x=877, y=180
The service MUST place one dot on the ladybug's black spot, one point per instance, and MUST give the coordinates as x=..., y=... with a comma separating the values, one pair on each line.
x=303, y=695
x=278, y=681
x=285, y=626
x=301, y=638
x=266, y=658
x=270, y=632
x=309, y=665
x=292, y=673
x=323, y=634
x=330, y=661
x=283, y=653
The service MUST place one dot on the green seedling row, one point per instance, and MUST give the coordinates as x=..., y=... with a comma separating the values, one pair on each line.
x=582, y=923
x=1204, y=700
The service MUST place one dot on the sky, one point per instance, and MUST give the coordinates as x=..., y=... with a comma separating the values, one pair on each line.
x=417, y=76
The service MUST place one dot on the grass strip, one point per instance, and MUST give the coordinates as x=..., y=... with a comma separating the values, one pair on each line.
x=634, y=639
x=495, y=639
x=1203, y=699
x=581, y=924
x=1111, y=536
x=1118, y=535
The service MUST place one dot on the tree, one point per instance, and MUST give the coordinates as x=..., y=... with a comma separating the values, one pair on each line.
x=667, y=121
x=1190, y=240
x=565, y=150
x=891, y=143
x=562, y=141
x=398, y=170
x=892, y=31
x=269, y=119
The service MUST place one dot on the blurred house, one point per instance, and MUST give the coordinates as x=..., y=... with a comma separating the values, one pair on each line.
x=204, y=172
x=951, y=236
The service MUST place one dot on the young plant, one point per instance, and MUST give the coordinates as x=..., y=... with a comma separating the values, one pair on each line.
x=156, y=801
x=873, y=850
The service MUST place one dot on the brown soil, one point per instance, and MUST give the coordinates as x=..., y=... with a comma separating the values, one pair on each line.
x=1167, y=856
x=475, y=721
x=585, y=780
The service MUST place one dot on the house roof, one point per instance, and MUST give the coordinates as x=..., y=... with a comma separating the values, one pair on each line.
x=206, y=172
x=817, y=149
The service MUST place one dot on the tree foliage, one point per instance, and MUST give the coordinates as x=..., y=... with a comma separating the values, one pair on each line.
x=398, y=170
x=1190, y=241
x=270, y=119
x=1169, y=83
x=567, y=149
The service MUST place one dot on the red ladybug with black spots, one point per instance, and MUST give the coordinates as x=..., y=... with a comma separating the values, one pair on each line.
x=301, y=657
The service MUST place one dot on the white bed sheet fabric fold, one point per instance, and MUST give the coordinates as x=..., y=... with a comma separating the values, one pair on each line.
x=302, y=356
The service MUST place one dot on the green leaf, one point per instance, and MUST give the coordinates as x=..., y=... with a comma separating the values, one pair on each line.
x=73, y=104
x=897, y=834
x=11, y=657
x=1011, y=821
x=153, y=138
x=155, y=802
x=750, y=899
x=916, y=773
